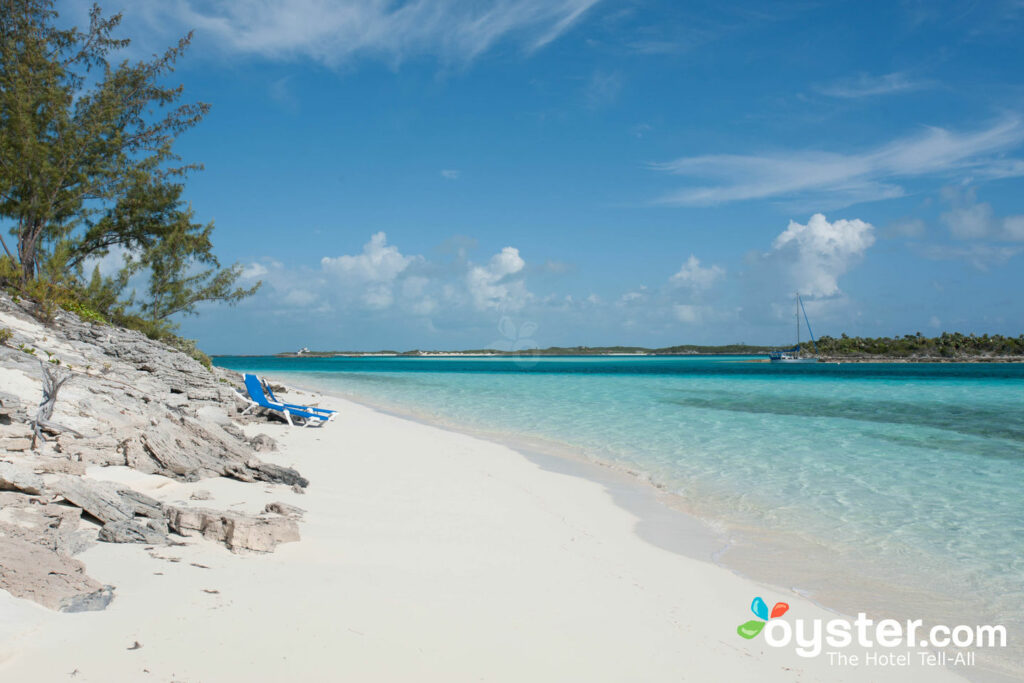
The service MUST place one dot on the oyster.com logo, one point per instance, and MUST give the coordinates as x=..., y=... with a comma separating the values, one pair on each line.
x=751, y=628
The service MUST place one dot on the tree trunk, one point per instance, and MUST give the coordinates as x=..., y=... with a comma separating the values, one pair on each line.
x=28, y=237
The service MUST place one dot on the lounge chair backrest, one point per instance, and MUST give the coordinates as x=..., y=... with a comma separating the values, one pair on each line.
x=255, y=389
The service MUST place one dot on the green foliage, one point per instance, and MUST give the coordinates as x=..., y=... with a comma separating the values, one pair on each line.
x=5, y=335
x=87, y=160
x=946, y=345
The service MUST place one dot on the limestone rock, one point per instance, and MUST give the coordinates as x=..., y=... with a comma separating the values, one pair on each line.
x=16, y=478
x=132, y=532
x=234, y=530
x=99, y=499
x=88, y=602
x=31, y=571
x=143, y=505
x=285, y=509
x=15, y=445
x=262, y=442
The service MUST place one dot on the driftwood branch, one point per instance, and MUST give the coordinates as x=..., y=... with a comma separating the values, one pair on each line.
x=53, y=380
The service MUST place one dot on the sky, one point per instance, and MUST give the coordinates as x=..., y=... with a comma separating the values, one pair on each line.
x=449, y=174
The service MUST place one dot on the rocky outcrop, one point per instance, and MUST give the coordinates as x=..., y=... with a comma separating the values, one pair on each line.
x=259, y=533
x=129, y=401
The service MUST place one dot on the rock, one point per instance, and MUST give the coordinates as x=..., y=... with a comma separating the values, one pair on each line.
x=131, y=532
x=143, y=505
x=90, y=602
x=257, y=533
x=54, y=527
x=99, y=499
x=58, y=465
x=285, y=509
x=234, y=530
x=257, y=470
x=15, y=478
x=15, y=445
x=201, y=494
x=30, y=571
x=215, y=414
x=262, y=442
x=189, y=450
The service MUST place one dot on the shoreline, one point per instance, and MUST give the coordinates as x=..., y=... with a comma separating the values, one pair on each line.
x=426, y=554
x=735, y=549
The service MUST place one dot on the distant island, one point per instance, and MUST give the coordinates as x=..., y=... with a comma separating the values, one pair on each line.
x=947, y=347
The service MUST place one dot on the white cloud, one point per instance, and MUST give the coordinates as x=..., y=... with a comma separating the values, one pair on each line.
x=495, y=286
x=334, y=31
x=449, y=174
x=254, y=271
x=848, y=178
x=969, y=219
x=869, y=86
x=374, y=271
x=694, y=277
x=816, y=254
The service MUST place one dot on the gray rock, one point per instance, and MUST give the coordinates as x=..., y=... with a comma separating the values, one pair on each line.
x=262, y=442
x=285, y=509
x=89, y=602
x=99, y=499
x=15, y=478
x=131, y=532
x=143, y=505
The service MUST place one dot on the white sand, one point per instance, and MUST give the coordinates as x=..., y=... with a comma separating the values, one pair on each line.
x=426, y=556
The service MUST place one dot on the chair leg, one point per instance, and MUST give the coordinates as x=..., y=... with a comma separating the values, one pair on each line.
x=288, y=417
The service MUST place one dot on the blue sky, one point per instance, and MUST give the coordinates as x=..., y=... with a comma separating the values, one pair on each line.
x=456, y=174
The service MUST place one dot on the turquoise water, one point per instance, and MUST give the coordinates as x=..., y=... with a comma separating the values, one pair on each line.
x=889, y=487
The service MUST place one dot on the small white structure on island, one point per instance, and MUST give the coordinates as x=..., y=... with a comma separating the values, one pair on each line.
x=304, y=349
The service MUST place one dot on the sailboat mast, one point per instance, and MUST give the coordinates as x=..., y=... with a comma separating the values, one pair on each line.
x=798, y=324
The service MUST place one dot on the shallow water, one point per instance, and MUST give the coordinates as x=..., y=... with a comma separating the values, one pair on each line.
x=889, y=488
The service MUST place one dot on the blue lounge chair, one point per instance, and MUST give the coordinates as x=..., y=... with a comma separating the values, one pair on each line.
x=309, y=416
x=270, y=394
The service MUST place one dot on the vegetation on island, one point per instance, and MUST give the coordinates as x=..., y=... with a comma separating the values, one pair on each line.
x=88, y=170
x=946, y=346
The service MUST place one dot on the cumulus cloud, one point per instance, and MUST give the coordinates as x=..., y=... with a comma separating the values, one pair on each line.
x=847, y=178
x=494, y=286
x=816, y=254
x=450, y=174
x=373, y=272
x=692, y=276
x=335, y=31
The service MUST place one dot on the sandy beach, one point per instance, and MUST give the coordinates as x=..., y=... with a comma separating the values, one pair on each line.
x=425, y=555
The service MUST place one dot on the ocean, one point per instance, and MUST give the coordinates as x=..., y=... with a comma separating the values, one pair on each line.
x=891, y=488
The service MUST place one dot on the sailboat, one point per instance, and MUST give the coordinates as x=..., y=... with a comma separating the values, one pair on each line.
x=793, y=355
